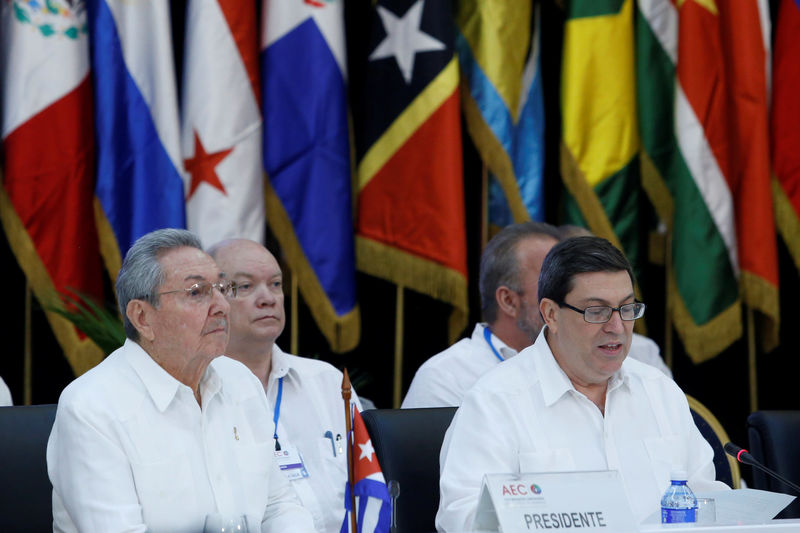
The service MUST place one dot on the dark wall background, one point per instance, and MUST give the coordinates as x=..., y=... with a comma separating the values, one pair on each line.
x=721, y=384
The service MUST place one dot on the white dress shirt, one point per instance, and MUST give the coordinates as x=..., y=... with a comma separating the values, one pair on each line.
x=5, y=394
x=443, y=379
x=131, y=450
x=311, y=405
x=525, y=416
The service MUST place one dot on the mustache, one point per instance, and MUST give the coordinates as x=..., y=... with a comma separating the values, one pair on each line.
x=219, y=323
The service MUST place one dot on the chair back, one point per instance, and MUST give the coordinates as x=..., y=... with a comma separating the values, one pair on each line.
x=25, y=489
x=727, y=469
x=407, y=443
x=773, y=438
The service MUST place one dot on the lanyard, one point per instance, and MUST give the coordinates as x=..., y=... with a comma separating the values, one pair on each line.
x=277, y=413
x=487, y=334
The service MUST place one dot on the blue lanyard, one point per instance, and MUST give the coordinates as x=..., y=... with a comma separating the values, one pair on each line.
x=277, y=413
x=487, y=334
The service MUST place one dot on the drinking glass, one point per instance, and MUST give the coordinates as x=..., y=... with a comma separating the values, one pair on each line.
x=219, y=523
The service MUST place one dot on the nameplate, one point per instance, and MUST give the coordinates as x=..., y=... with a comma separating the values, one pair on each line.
x=585, y=501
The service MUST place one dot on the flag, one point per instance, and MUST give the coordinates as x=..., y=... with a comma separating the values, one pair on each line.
x=498, y=52
x=307, y=158
x=600, y=143
x=48, y=160
x=785, y=127
x=221, y=122
x=374, y=507
x=139, y=167
x=411, y=223
x=703, y=119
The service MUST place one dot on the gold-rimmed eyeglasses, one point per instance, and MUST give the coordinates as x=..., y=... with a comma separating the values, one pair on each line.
x=201, y=291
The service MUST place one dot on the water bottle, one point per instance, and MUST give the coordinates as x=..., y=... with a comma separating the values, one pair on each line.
x=678, y=504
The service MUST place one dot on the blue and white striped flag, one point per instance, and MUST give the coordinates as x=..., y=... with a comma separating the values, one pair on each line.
x=139, y=166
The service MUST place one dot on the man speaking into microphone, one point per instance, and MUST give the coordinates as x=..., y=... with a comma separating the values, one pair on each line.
x=572, y=401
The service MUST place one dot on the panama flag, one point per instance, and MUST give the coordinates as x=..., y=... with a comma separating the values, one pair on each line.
x=139, y=166
x=307, y=157
x=374, y=511
x=48, y=158
x=221, y=122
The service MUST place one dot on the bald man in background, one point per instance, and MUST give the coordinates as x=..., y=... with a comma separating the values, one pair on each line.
x=304, y=394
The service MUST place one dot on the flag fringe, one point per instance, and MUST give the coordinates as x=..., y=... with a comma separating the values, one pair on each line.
x=342, y=332
x=702, y=342
x=493, y=154
x=787, y=221
x=109, y=248
x=416, y=273
x=762, y=296
x=82, y=353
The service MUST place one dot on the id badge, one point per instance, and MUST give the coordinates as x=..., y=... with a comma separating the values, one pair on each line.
x=291, y=463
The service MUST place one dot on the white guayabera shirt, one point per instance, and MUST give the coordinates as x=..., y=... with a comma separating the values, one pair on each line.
x=131, y=450
x=525, y=416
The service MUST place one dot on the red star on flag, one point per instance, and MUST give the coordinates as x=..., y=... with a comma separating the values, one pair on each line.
x=202, y=166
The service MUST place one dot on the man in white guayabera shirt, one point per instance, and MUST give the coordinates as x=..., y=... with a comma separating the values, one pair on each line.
x=164, y=432
x=572, y=401
x=305, y=395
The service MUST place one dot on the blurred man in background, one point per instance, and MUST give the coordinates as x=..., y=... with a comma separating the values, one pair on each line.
x=509, y=272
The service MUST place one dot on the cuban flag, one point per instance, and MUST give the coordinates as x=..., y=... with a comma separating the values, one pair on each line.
x=221, y=122
x=139, y=167
x=373, y=505
x=306, y=155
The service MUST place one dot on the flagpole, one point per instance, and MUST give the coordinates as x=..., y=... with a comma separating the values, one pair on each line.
x=398, y=346
x=751, y=358
x=484, y=206
x=27, y=351
x=295, y=331
x=346, y=392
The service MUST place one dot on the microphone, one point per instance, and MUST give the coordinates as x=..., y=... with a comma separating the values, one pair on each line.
x=744, y=457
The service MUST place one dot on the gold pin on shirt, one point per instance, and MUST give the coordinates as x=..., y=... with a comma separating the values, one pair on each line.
x=235, y=434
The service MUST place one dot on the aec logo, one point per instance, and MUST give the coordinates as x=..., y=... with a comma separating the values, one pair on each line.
x=519, y=489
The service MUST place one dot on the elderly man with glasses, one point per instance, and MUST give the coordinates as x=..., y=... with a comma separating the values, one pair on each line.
x=164, y=432
x=572, y=401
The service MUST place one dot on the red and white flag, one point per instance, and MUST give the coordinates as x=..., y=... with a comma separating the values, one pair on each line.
x=221, y=122
x=46, y=198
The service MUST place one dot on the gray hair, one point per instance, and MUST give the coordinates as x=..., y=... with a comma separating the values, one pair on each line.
x=141, y=273
x=500, y=265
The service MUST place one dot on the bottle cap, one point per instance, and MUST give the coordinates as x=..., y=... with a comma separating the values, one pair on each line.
x=678, y=475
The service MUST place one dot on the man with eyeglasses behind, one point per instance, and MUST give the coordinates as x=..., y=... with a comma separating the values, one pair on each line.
x=164, y=432
x=572, y=401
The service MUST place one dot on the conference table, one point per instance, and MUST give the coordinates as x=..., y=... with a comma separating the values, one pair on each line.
x=766, y=527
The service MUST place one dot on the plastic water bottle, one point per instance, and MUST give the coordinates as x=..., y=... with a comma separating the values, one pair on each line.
x=678, y=503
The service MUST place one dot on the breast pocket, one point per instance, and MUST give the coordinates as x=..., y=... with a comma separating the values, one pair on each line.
x=255, y=466
x=162, y=487
x=555, y=460
x=666, y=454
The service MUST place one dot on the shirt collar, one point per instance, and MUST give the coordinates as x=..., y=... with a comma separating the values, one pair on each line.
x=283, y=366
x=161, y=386
x=552, y=378
x=505, y=350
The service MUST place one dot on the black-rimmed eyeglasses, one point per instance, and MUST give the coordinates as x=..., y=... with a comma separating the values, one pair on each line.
x=600, y=314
